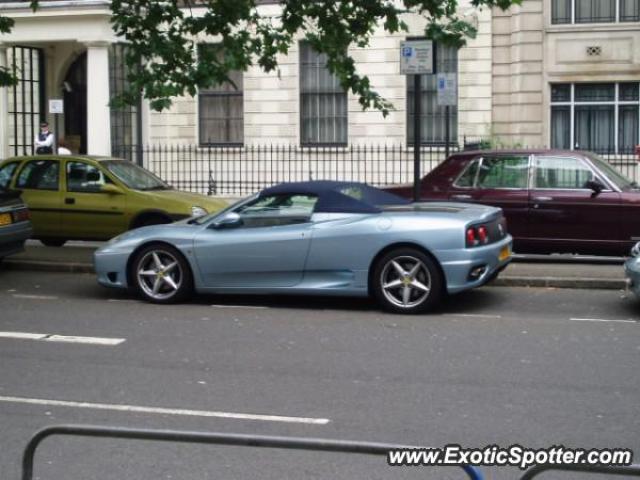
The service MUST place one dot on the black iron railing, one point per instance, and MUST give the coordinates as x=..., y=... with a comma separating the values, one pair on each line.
x=243, y=170
x=256, y=441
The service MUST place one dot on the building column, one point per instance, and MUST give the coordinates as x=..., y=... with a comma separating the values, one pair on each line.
x=4, y=109
x=98, y=96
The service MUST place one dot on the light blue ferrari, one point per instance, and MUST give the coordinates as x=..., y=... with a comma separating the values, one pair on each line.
x=319, y=238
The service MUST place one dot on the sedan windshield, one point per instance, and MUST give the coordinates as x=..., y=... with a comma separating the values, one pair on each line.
x=622, y=182
x=135, y=177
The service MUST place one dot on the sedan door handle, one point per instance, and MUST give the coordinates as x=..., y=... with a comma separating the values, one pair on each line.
x=69, y=201
x=542, y=199
x=461, y=197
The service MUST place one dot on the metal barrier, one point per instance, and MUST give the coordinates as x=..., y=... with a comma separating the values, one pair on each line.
x=310, y=444
x=631, y=470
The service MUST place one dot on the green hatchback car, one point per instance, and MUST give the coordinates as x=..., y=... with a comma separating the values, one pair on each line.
x=77, y=197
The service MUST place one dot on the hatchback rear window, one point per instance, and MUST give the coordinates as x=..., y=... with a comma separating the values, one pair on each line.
x=6, y=172
x=39, y=175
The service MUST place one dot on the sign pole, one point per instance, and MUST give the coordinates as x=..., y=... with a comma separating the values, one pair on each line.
x=56, y=107
x=416, y=59
x=447, y=132
x=57, y=134
x=417, y=135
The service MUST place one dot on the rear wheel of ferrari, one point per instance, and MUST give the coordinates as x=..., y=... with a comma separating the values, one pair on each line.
x=406, y=280
x=161, y=274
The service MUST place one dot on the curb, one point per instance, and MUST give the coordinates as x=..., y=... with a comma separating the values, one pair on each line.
x=503, y=281
x=561, y=282
x=43, y=266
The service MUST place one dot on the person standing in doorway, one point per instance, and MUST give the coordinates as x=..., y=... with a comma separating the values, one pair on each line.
x=44, y=140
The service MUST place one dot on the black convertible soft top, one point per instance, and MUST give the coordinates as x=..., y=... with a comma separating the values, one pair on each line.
x=339, y=197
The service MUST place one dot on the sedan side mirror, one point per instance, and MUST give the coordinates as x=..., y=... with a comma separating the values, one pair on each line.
x=230, y=220
x=595, y=185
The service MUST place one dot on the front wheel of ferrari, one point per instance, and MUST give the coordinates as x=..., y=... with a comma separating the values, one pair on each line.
x=161, y=274
x=406, y=280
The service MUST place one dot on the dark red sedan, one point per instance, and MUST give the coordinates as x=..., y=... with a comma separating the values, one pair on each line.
x=554, y=200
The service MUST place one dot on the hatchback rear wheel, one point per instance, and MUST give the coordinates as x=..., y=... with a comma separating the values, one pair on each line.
x=161, y=274
x=405, y=280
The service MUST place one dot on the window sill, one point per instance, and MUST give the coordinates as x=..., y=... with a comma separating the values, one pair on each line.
x=593, y=27
x=310, y=146
x=221, y=145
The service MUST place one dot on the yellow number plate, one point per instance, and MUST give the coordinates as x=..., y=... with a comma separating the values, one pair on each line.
x=5, y=218
x=505, y=253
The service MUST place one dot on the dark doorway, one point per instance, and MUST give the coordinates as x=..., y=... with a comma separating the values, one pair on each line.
x=26, y=98
x=75, y=105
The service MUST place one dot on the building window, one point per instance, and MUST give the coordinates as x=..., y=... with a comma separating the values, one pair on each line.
x=594, y=11
x=601, y=117
x=323, y=101
x=125, y=120
x=221, y=107
x=434, y=116
x=629, y=10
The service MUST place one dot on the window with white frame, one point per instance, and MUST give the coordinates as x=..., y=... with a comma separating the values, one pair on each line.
x=220, y=107
x=434, y=118
x=594, y=11
x=323, y=101
x=600, y=117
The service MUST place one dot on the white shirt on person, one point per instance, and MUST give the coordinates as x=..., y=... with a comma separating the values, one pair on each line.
x=47, y=142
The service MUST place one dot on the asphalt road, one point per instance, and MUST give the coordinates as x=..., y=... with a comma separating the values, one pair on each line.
x=537, y=367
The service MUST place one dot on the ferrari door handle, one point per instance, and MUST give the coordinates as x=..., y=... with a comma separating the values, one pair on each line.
x=69, y=201
x=461, y=197
x=542, y=199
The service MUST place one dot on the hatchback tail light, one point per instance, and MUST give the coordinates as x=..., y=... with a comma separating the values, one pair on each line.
x=21, y=215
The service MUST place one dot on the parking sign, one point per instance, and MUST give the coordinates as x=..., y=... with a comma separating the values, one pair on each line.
x=416, y=57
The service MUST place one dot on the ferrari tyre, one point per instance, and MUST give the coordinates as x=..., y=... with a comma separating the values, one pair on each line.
x=160, y=274
x=406, y=280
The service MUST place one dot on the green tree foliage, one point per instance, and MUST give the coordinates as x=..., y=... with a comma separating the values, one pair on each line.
x=163, y=34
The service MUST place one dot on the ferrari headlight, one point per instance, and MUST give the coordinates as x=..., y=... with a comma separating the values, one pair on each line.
x=197, y=211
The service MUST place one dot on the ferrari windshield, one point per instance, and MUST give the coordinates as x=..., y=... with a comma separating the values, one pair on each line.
x=135, y=177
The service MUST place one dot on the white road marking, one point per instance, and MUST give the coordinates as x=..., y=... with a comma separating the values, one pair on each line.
x=164, y=411
x=86, y=340
x=601, y=320
x=124, y=300
x=22, y=335
x=34, y=297
x=47, y=337
x=254, y=307
x=475, y=315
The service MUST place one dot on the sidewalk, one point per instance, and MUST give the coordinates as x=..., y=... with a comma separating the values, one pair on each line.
x=556, y=271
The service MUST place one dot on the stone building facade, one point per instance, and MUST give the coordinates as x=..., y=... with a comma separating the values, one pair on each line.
x=548, y=72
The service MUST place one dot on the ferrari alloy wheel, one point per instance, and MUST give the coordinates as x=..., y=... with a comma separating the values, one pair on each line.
x=407, y=281
x=161, y=274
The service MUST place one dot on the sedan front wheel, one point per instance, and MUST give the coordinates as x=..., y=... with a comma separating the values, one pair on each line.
x=161, y=274
x=407, y=281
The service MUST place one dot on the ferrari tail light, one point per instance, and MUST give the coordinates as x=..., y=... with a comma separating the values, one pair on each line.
x=483, y=235
x=477, y=235
x=471, y=237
